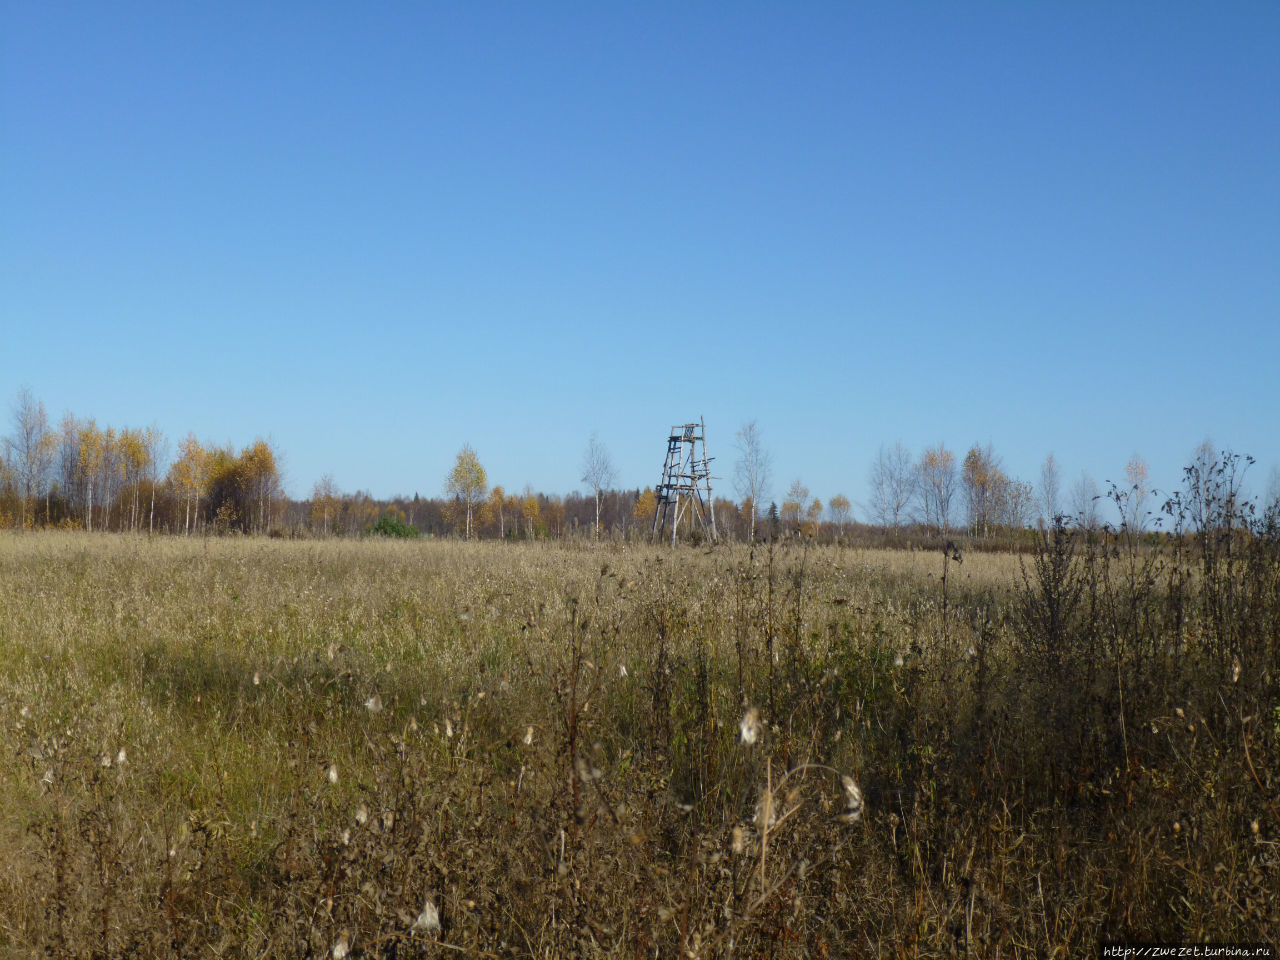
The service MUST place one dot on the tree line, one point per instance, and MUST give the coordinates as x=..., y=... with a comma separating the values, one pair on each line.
x=78, y=474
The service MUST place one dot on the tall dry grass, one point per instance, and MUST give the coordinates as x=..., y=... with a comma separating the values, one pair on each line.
x=261, y=748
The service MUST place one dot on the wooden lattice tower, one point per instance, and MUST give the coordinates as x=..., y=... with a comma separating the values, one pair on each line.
x=685, y=489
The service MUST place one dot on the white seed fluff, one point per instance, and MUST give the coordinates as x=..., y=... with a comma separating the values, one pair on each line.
x=853, y=805
x=429, y=919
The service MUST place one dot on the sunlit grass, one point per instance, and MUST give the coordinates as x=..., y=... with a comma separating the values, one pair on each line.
x=547, y=744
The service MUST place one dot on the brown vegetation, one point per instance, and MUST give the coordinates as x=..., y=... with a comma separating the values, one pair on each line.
x=248, y=747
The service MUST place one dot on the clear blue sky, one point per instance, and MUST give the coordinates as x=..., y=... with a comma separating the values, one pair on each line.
x=373, y=232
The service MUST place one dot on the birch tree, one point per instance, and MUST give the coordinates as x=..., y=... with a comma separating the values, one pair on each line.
x=29, y=448
x=795, y=506
x=326, y=501
x=497, y=506
x=838, y=507
x=812, y=518
x=893, y=485
x=1084, y=501
x=531, y=511
x=189, y=476
x=133, y=467
x=157, y=450
x=260, y=472
x=984, y=488
x=752, y=471
x=91, y=452
x=1134, y=505
x=597, y=472
x=936, y=477
x=467, y=484
x=1050, y=490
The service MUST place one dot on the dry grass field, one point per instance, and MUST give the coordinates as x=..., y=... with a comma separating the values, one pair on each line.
x=263, y=748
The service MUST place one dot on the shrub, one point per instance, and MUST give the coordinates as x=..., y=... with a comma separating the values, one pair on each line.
x=394, y=527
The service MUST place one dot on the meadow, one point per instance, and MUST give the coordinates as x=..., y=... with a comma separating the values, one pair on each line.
x=247, y=747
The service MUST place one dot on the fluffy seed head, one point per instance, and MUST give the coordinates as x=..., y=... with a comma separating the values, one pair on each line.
x=586, y=771
x=766, y=816
x=428, y=920
x=749, y=726
x=853, y=805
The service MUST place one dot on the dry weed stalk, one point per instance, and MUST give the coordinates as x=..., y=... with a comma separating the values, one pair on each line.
x=173, y=712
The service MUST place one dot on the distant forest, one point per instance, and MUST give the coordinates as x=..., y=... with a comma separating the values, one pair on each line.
x=77, y=475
